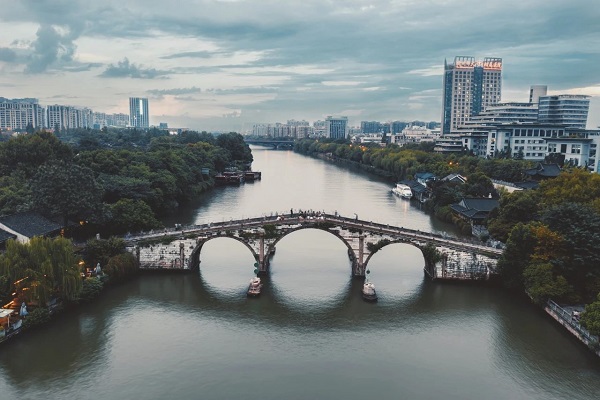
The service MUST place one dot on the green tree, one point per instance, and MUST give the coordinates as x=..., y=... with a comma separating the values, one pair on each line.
x=45, y=266
x=66, y=190
x=101, y=250
x=520, y=206
x=121, y=266
x=542, y=284
x=132, y=215
x=519, y=248
x=590, y=319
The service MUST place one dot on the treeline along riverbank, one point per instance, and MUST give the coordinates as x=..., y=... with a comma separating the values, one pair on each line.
x=551, y=233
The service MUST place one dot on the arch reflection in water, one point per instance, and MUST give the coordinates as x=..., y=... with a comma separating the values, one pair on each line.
x=226, y=265
x=310, y=269
x=397, y=271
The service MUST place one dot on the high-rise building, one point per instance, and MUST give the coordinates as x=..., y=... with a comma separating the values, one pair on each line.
x=18, y=114
x=370, y=127
x=138, y=112
x=336, y=127
x=67, y=117
x=566, y=109
x=469, y=86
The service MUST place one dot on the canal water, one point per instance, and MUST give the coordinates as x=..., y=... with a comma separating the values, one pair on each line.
x=309, y=335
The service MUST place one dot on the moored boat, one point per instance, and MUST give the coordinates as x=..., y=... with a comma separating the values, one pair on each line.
x=254, y=287
x=368, y=292
x=252, y=175
x=402, y=190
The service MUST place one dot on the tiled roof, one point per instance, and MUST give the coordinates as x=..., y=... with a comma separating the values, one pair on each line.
x=480, y=204
x=455, y=177
x=424, y=175
x=475, y=208
x=30, y=224
x=527, y=185
x=544, y=170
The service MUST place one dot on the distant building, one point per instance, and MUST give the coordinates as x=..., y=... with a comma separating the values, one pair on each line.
x=336, y=127
x=398, y=126
x=504, y=113
x=468, y=87
x=537, y=91
x=139, y=116
x=68, y=117
x=370, y=127
x=17, y=114
x=566, y=109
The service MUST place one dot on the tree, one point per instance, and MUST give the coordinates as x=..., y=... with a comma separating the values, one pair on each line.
x=45, y=266
x=516, y=256
x=542, y=284
x=579, y=226
x=67, y=191
x=121, y=266
x=132, y=215
x=101, y=250
x=590, y=319
x=521, y=206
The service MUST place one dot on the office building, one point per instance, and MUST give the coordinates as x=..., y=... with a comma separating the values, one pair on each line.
x=336, y=127
x=504, y=113
x=469, y=86
x=565, y=109
x=138, y=112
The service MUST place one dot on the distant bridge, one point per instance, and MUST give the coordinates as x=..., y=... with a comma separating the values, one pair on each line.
x=181, y=249
x=274, y=143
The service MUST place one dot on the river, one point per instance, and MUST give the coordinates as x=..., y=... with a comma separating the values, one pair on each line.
x=309, y=335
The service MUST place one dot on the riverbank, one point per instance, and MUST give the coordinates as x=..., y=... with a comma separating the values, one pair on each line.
x=573, y=327
x=568, y=320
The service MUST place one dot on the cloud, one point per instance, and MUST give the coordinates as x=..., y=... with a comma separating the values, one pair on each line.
x=175, y=91
x=125, y=69
x=246, y=90
x=7, y=55
x=189, y=54
x=52, y=45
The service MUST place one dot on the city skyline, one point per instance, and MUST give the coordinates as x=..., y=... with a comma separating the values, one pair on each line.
x=230, y=64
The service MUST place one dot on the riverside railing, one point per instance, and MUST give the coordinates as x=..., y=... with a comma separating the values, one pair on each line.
x=569, y=319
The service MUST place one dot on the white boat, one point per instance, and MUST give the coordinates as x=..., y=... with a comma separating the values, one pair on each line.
x=254, y=287
x=402, y=190
x=368, y=291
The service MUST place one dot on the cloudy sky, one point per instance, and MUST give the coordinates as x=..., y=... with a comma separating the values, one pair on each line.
x=225, y=64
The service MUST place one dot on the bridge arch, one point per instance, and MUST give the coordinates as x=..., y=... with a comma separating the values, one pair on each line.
x=351, y=255
x=399, y=241
x=195, y=255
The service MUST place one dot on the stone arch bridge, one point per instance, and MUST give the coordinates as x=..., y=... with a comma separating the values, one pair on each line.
x=445, y=257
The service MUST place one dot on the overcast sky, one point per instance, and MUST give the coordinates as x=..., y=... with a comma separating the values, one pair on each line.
x=225, y=64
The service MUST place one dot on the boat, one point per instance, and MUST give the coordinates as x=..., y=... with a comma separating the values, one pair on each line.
x=229, y=178
x=368, y=292
x=250, y=176
x=402, y=190
x=254, y=287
